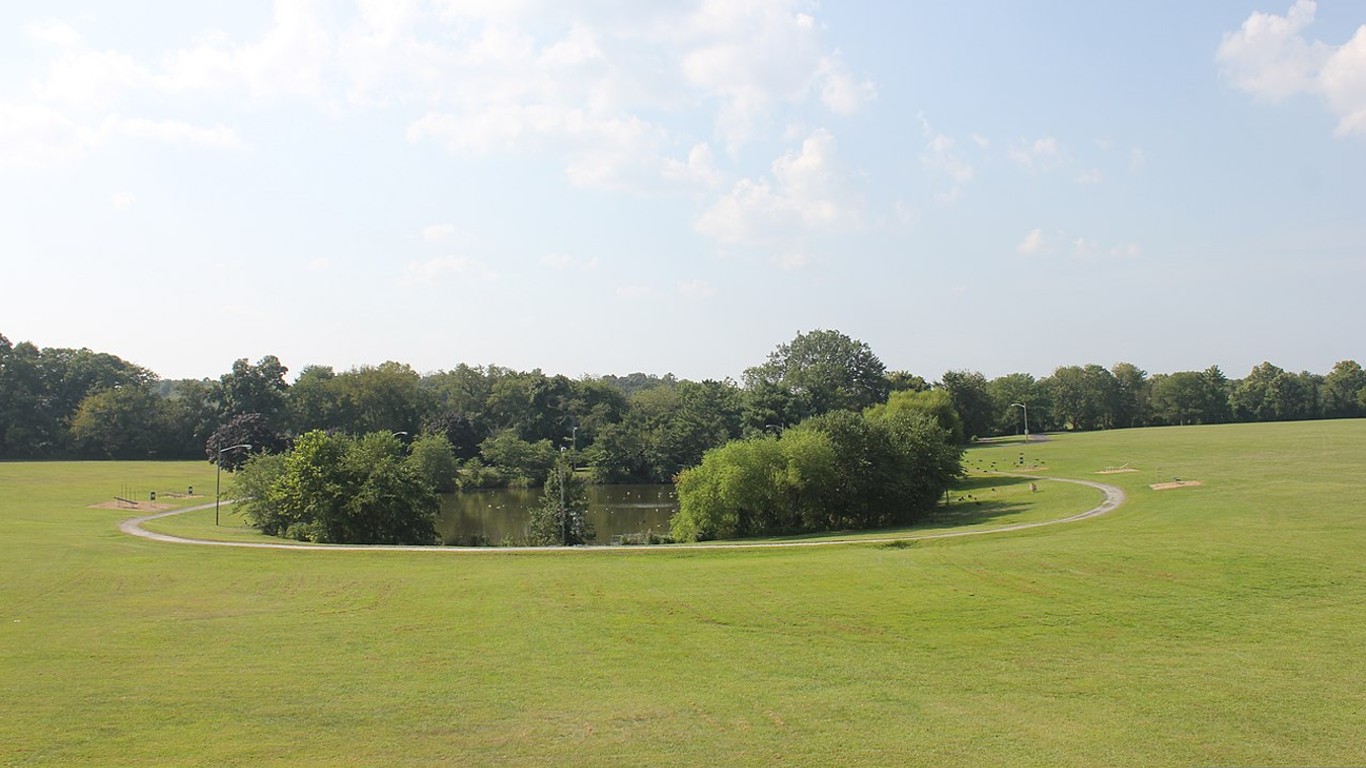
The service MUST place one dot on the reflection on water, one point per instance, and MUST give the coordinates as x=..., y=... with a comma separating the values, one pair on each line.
x=501, y=516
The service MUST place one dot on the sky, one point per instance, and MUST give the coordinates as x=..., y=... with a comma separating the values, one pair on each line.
x=610, y=186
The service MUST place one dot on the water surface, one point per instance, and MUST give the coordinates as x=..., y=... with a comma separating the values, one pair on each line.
x=502, y=515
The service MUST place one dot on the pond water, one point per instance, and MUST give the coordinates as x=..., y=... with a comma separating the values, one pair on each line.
x=502, y=515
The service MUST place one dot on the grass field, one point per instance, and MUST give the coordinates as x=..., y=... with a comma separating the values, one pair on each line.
x=1220, y=625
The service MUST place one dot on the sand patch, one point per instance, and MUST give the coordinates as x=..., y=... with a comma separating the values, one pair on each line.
x=1115, y=470
x=1175, y=484
x=141, y=506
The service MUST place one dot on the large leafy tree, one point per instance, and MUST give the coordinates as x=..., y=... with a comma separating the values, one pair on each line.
x=667, y=429
x=1024, y=389
x=339, y=489
x=41, y=390
x=386, y=397
x=824, y=371
x=1083, y=397
x=250, y=429
x=840, y=470
x=972, y=400
x=1344, y=389
x=1132, y=393
x=127, y=422
x=1269, y=393
x=258, y=388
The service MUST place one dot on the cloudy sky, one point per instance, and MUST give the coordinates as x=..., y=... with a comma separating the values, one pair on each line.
x=610, y=186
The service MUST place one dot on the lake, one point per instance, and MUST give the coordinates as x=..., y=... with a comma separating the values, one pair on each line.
x=502, y=515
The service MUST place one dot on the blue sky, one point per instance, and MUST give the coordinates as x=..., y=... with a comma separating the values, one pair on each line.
x=606, y=187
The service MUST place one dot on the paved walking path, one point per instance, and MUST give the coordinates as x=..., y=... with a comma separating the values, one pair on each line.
x=1113, y=498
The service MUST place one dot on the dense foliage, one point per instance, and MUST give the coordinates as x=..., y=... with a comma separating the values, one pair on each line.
x=562, y=516
x=338, y=489
x=840, y=470
x=505, y=427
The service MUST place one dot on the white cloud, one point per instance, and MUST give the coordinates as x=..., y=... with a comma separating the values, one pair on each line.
x=588, y=86
x=433, y=270
x=792, y=259
x=1042, y=154
x=37, y=136
x=696, y=289
x=1032, y=242
x=1060, y=243
x=292, y=58
x=841, y=92
x=942, y=157
x=804, y=196
x=1090, y=176
x=1091, y=250
x=54, y=32
x=320, y=264
x=1270, y=58
x=173, y=132
x=634, y=291
x=436, y=233
x=562, y=261
x=91, y=80
x=700, y=167
x=122, y=201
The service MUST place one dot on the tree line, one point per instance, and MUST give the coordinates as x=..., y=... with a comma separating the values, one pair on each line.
x=506, y=426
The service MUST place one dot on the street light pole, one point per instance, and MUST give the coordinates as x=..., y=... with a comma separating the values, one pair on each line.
x=564, y=515
x=218, y=477
x=1026, y=417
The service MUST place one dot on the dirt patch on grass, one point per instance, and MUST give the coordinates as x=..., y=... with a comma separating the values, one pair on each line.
x=1115, y=470
x=149, y=506
x=1175, y=484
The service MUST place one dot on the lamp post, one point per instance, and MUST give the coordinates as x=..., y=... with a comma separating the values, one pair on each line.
x=1026, y=417
x=564, y=515
x=218, y=477
x=574, y=454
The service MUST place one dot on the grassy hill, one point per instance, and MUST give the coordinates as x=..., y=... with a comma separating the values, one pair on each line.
x=1210, y=624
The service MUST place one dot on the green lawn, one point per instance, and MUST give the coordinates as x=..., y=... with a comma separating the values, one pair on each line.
x=1215, y=625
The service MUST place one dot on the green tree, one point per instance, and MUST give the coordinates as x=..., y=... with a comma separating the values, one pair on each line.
x=1131, y=403
x=128, y=422
x=840, y=470
x=1272, y=394
x=935, y=403
x=968, y=391
x=338, y=489
x=562, y=516
x=825, y=371
x=521, y=462
x=314, y=400
x=382, y=398
x=1023, y=388
x=1083, y=397
x=243, y=429
x=901, y=381
x=258, y=388
x=433, y=459
x=1343, y=388
x=1179, y=398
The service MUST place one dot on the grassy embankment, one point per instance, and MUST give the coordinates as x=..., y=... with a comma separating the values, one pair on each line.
x=1218, y=624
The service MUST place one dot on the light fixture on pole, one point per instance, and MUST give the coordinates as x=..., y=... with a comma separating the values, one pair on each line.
x=564, y=515
x=218, y=477
x=1026, y=417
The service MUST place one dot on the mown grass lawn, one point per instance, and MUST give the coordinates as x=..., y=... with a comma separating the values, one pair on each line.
x=1218, y=624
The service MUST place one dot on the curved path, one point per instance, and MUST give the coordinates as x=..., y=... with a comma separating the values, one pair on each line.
x=1113, y=498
